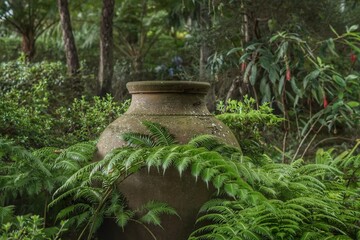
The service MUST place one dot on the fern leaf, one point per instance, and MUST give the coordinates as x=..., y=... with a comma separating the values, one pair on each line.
x=207, y=174
x=310, y=236
x=231, y=189
x=154, y=210
x=138, y=140
x=170, y=159
x=212, y=217
x=196, y=169
x=209, y=142
x=75, y=208
x=6, y=213
x=123, y=217
x=161, y=134
x=249, y=235
x=219, y=180
x=182, y=163
x=78, y=175
x=155, y=158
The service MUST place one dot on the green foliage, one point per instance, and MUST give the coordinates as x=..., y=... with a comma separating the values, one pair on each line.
x=38, y=108
x=159, y=136
x=30, y=227
x=85, y=119
x=32, y=177
x=247, y=122
x=287, y=202
x=10, y=47
x=254, y=198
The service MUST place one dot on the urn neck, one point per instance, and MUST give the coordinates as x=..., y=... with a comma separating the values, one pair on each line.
x=168, y=98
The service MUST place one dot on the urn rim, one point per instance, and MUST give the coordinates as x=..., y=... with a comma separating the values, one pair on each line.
x=167, y=87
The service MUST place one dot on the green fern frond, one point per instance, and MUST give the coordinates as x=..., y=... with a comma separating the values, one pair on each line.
x=182, y=164
x=209, y=142
x=123, y=217
x=196, y=169
x=155, y=158
x=170, y=159
x=77, y=176
x=153, y=210
x=138, y=140
x=219, y=181
x=202, y=231
x=46, y=154
x=90, y=194
x=6, y=213
x=318, y=170
x=249, y=235
x=310, y=236
x=67, y=165
x=63, y=196
x=207, y=174
x=161, y=134
x=77, y=208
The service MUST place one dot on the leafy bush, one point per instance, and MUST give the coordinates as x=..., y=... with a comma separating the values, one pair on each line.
x=38, y=110
x=30, y=227
x=248, y=123
x=85, y=119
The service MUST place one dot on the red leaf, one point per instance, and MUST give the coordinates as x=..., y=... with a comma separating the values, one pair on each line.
x=325, y=102
x=353, y=58
x=288, y=74
x=243, y=66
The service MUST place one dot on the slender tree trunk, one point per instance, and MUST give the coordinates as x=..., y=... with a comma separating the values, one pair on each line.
x=28, y=44
x=72, y=59
x=106, y=67
x=205, y=24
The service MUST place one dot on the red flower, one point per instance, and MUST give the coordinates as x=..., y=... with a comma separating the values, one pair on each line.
x=325, y=102
x=288, y=74
x=243, y=66
x=353, y=58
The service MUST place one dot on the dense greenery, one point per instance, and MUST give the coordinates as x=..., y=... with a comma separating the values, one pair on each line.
x=284, y=77
x=255, y=198
x=37, y=109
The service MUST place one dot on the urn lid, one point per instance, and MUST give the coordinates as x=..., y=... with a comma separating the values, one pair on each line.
x=167, y=87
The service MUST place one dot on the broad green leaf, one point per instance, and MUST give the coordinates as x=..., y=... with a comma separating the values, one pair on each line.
x=339, y=80
x=273, y=75
x=353, y=104
x=253, y=75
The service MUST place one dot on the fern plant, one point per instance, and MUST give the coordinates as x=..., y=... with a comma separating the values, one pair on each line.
x=254, y=198
x=28, y=180
x=297, y=201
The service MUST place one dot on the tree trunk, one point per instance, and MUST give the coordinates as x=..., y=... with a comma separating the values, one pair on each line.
x=106, y=67
x=72, y=59
x=28, y=44
x=205, y=24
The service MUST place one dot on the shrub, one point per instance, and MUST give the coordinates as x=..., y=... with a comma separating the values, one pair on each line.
x=37, y=108
x=85, y=119
x=248, y=123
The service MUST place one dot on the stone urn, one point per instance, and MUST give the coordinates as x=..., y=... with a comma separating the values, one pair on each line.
x=180, y=107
